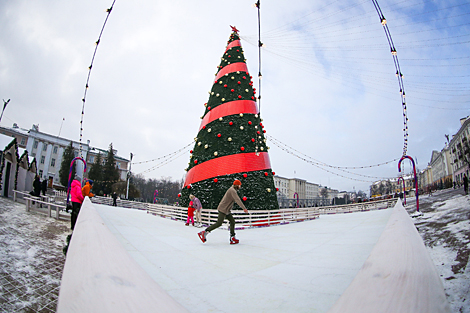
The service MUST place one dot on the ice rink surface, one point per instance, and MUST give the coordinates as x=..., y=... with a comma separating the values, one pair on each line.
x=298, y=267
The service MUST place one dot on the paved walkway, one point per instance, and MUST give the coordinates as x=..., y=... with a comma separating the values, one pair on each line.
x=300, y=267
x=31, y=259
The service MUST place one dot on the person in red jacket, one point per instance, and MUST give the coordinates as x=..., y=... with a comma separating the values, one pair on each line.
x=190, y=214
x=77, y=199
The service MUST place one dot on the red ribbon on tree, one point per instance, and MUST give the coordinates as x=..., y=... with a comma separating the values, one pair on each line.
x=226, y=165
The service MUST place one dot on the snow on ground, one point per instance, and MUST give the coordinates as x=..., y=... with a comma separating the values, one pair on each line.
x=444, y=225
x=31, y=259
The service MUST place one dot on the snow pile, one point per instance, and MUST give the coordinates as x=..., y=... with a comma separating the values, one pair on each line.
x=31, y=259
x=444, y=226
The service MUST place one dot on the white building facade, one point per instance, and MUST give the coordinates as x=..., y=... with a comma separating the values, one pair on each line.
x=296, y=192
x=48, y=151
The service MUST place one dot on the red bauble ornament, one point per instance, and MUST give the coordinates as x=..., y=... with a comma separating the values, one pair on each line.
x=261, y=124
x=258, y=132
x=215, y=180
x=209, y=108
x=244, y=77
x=239, y=83
x=265, y=173
x=232, y=90
x=245, y=175
x=274, y=173
x=242, y=148
x=219, y=135
x=195, y=161
x=189, y=187
x=231, y=123
x=252, y=98
x=179, y=195
x=252, y=139
x=249, y=122
x=225, y=85
x=204, y=127
x=244, y=198
x=264, y=131
x=239, y=96
x=190, y=151
x=277, y=189
x=238, y=50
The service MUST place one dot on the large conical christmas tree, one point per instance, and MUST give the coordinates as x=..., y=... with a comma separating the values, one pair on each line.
x=230, y=143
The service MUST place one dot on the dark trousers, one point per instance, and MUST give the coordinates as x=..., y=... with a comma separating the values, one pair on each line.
x=220, y=220
x=75, y=210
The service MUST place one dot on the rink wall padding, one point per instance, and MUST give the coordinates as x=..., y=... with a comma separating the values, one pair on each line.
x=100, y=276
x=398, y=275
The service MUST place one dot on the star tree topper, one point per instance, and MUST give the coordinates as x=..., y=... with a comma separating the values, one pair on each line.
x=234, y=29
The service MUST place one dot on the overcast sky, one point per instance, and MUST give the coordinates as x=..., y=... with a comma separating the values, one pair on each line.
x=329, y=90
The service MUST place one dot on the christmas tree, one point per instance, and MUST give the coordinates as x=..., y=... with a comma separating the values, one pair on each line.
x=230, y=143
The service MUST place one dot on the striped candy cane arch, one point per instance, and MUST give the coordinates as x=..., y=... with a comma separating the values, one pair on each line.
x=416, y=177
x=70, y=174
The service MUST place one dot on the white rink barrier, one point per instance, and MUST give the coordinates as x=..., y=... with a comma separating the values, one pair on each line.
x=398, y=276
x=256, y=218
x=100, y=276
x=262, y=218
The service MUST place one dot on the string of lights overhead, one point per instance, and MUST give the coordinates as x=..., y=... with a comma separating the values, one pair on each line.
x=323, y=166
x=166, y=156
x=169, y=160
x=88, y=76
x=301, y=42
x=399, y=74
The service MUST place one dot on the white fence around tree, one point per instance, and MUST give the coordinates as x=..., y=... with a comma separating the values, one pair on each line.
x=56, y=202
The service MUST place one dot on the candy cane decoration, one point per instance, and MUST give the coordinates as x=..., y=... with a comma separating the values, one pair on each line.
x=416, y=177
x=70, y=175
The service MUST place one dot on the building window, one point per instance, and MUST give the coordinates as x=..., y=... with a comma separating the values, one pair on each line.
x=23, y=141
x=55, y=150
x=40, y=173
x=44, y=148
x=35, y=145
x=91, y=159
x=43, y=159
x=118, y=164
x=52, y=162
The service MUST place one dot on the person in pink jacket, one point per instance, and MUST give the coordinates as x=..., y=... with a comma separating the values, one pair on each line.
x=77, y=199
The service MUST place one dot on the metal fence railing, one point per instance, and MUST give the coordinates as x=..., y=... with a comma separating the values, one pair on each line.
x=256, y=218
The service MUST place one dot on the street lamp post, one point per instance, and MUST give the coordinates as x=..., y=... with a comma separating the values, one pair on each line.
x=129, y=177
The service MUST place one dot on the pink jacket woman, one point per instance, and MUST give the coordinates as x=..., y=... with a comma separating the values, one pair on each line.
x=76, y=191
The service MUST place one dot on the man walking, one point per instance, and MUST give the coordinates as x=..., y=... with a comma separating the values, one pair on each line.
x=224, y=208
